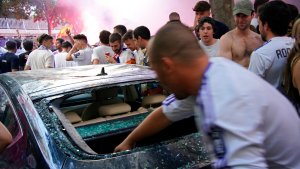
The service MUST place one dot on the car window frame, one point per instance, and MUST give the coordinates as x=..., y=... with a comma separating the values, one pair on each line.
x=20, y=132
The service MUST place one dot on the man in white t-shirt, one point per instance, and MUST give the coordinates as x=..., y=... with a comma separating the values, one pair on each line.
x=269, y=60
x=80, y=53
x=244, y=127
x=42, y=57
x=122, y=55
x=100, y=52
x=60, y=58
x=206, y=29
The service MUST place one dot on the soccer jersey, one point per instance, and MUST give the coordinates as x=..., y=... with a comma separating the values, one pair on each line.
x=211, y=50
x=99, y=53
x=83, y=56
x=269, y=60
x=40, y=58
x=126, y=56
x=247, y=122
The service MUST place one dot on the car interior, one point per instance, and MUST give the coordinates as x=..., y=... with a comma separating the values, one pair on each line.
x=103, y=117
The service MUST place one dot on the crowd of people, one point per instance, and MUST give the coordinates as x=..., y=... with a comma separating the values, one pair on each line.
x=242, y=85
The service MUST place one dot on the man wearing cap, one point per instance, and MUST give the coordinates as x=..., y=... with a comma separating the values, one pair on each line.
x=202, y=9
x=269, y=61
x=238, y=44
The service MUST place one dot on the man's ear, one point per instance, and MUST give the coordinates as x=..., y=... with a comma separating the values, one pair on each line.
x=168, y=64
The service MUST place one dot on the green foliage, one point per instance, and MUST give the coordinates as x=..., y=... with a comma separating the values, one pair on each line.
x=19, y=9
x=54, y=12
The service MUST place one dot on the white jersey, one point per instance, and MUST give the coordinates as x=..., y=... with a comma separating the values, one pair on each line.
x=269, y=60
x=40, y=58
x=211, y=50
x=60, y=60
x=83, y=57
x=139, y=56
x=248, y=123
x=99, y=53
x=125, y=57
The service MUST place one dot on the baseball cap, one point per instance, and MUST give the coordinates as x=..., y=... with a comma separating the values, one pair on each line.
x=201, y=6
x=244, y=7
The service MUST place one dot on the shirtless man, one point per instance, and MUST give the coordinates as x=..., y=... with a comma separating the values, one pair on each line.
x=239, y=43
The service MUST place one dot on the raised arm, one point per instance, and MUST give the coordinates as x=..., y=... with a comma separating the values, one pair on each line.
x=152, y=124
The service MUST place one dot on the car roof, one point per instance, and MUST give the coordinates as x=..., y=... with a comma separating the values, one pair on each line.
x=47, y=82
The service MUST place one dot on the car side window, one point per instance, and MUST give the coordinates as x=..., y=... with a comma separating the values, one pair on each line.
x=7, y=116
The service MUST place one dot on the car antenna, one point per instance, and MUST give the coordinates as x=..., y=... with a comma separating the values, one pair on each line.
x=102, y=72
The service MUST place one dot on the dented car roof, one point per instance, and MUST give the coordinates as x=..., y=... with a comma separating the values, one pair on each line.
x=47, y=82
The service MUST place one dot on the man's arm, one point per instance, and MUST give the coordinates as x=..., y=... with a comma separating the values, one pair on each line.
x=296, y=76
x=27, y=67
x=68, y=32
x=152, y=124
x=96, y=61
x=5, y=137
x=71, y=52
x=225, y=47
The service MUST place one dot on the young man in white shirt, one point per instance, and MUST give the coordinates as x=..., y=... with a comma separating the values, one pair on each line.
x=269, y=60
x=81, y=53
x=99, y=53
x=244, y=127
x=60, y=58
x=42, y=57
x=206, y=29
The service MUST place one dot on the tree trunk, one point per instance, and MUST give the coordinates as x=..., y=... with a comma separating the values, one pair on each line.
x=222, y=11
x=49, y=22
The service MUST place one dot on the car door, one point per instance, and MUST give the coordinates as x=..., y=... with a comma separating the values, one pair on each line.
x=15, y=155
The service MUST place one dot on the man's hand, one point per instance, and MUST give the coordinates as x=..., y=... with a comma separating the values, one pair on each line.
x=110, y=59
x=125, y=145
x=68, y=32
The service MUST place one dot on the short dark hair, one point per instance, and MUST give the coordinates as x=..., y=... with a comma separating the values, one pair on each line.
x=174, y=16
x=143, y=32
x=206, y=20
x=61, y=40
x=127, y=35
x=258, y=3
x=115, y=37
x=104, y=37
x=121, y=28
x=80, y=37
x=28, y=45
x=11, y=45
x=201, y=6
x=277, y=15
x=66, y=44
x=43, y=38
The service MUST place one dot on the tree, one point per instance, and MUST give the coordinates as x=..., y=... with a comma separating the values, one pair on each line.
x=56, y=12
x=46, y=10
x=19, y=9
x=222, y=11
